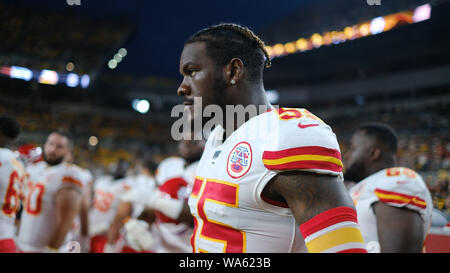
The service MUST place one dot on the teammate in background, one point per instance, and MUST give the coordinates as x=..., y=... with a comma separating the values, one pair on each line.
x=128, y=212
x=12, y=174
x=53, y=199
x=393, y=203
x=172, y=227
x=249, y=195
x=81, y=228
x=107, y=190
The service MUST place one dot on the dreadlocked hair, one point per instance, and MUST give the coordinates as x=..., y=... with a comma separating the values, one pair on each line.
x=227, y=41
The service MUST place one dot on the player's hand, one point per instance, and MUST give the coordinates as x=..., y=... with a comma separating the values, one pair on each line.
x=109, y=248
x=138, y=236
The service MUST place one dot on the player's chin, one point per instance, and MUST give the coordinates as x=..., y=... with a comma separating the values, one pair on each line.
x=54, y=160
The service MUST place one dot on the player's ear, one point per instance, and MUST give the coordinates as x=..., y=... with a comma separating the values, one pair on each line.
x=234, y=71
x=375, y=154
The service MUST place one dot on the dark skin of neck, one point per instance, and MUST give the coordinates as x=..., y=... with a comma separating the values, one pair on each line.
x=246, y=94
x=381, y=164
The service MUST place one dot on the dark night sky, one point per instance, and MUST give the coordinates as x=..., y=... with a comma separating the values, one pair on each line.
x=163, y=26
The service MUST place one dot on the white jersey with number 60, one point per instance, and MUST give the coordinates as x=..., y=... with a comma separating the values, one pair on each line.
x=11, y=176
x=38, y=215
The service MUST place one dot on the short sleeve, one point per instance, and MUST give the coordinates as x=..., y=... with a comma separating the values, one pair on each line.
x=299, y=142
x=304, y=144
x=74, y=178
x=402, y=187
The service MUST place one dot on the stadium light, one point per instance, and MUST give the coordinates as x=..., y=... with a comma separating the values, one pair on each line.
x=112, y=64
x=93, y=140
x=22, y=73
x=85, y=80
x=377, y=25
x=278, y=49
x=302, y=44
x=72, y=80
x=70, y=66
x=141, y=106
x=316, y=40
x=48, y=77
x=118, y=58
x=290, y=47
x=123, y=52
x=422, y=13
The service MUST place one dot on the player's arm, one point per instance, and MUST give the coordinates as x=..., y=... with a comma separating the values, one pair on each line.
x=322, y=207
x=173, y=208
x=124, y=210
x=148, y=215
x=186, y=216
x=84, y=218
x=84, y=213
x=399, y=229
x=68, y=206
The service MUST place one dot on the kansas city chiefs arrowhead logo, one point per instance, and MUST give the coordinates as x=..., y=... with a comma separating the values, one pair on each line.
x=239, y=160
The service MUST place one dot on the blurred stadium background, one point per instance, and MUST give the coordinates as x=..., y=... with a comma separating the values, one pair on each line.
x=108, y=71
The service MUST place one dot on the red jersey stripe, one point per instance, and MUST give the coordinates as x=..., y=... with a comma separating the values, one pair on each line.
x=307, y=150
x=399, y=198
x=328, y=218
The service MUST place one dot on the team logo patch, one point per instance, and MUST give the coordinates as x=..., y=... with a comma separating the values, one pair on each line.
x=239, y=160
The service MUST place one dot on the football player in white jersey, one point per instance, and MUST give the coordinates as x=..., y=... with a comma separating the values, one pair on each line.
x=255, y=196
x=53, y=198
x=12, y=174
x=81, y=226
x=107, y=190
x=172, y=221
x=393, y=203
x=129, y=211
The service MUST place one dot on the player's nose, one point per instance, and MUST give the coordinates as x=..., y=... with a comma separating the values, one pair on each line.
x=184, y=89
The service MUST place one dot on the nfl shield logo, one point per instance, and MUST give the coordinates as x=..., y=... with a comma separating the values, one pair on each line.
x=239, y=160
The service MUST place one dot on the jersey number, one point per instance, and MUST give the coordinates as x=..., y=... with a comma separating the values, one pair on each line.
x=12, y=198
x=398, y=171
x=33, y=203
x=222, y=193
x=103, y=200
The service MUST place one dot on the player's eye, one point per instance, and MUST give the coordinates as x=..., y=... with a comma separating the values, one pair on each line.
x=192, y=72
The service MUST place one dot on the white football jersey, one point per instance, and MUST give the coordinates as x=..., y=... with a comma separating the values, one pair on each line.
x=38, y=215
x=230, y=213
x=12, y=174
x=107, y=192
x=172, y=236
x=398, y=187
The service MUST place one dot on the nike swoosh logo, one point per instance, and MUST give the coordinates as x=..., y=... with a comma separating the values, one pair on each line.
x=307, y=125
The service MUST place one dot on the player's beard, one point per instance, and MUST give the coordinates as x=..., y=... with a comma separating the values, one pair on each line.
x=217, y=96
x=53, y=162
x=356, y=172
